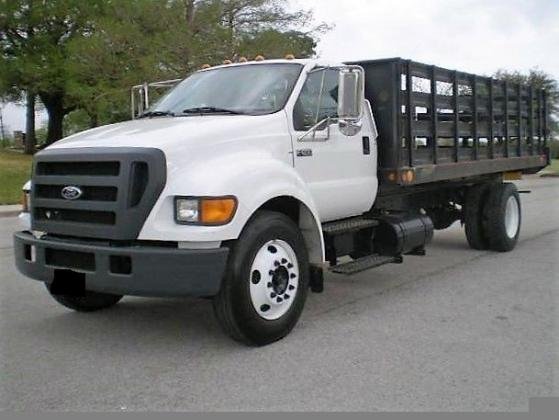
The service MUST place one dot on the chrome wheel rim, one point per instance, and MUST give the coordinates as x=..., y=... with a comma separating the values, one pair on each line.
x=274, y=279
x=512, y=217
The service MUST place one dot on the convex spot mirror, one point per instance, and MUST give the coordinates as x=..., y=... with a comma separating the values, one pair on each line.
x=351, y=96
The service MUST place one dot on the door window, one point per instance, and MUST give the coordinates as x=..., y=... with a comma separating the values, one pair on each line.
x=318, y=99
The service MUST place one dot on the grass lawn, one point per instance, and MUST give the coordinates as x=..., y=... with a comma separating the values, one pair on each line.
x=15, y=170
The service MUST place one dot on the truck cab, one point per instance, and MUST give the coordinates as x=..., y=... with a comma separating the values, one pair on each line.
x=241, y=184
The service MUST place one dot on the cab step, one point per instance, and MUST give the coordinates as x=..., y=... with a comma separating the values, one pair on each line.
x=348, y=225
x=364, y=263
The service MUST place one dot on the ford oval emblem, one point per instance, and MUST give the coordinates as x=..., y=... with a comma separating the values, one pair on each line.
x=71, y=192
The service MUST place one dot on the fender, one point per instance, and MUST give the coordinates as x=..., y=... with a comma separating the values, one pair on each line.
x=253, y=177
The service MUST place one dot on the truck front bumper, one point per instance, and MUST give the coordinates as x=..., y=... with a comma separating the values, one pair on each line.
x=141, y=270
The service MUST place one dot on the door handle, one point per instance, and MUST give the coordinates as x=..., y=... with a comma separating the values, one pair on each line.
x=366, y=146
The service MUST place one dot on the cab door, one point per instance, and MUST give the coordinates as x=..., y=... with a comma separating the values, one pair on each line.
x=340, y=170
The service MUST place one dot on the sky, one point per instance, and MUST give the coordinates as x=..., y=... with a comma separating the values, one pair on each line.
x=476, y=36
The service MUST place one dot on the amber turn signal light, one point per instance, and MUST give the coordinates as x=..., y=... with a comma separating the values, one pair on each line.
x=217, y=211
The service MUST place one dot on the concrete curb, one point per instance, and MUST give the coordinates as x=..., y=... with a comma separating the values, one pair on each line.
x=549, y=175
x=10, y=211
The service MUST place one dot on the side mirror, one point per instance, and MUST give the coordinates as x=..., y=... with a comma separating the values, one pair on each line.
x=351, y=96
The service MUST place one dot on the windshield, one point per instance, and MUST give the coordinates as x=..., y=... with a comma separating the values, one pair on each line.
x=249, y=89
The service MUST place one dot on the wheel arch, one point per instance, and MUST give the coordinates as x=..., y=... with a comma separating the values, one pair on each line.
x=303, y=217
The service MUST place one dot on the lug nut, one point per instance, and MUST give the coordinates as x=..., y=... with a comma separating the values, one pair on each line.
x=255, y=277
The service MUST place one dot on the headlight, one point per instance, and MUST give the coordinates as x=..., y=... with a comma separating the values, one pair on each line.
x=26, y=201
x=207, y=211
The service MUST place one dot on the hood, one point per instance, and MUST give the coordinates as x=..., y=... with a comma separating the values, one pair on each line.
x=172, y=133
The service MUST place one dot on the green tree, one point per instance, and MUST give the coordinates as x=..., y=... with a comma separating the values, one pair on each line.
x=34, y=36
x=143, y=40
x=126, y=48
x=85, y=55
x=209, y=31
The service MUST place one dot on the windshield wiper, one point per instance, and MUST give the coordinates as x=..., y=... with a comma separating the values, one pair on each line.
x=157, y=114
x=211, y=110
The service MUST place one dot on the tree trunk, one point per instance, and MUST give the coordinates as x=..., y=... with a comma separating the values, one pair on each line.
x=30, y=140
x=93, y=120
x=55, y=108
x=189, y=24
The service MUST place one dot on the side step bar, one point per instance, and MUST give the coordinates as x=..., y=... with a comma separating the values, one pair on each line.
x=348, y=225
x=362, y=264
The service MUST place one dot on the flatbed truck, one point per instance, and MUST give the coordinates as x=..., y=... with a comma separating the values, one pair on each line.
x=247, y=181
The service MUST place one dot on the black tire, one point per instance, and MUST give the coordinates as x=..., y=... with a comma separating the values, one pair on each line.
x=89, y=302
x=495, y=217
x=233, y=305
x=473, y=217
x=443, y=217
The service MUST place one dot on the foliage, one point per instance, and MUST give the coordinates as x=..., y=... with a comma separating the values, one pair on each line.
x=34, y=35
x=76, y=121
x=85, y=55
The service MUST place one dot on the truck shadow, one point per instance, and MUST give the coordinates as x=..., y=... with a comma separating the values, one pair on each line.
x=145, y=325
x=137, y=325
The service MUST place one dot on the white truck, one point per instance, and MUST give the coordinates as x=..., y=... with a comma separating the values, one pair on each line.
x=246, y=181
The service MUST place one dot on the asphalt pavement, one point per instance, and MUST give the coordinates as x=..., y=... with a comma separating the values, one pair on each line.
x=456, y=330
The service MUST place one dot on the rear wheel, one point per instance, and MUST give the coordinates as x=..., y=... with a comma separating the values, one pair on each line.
x=473, y=217
x=88, y=302
x=266, y=283
x=503, y=217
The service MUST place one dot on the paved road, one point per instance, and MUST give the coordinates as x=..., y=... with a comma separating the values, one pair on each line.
x=455, y=330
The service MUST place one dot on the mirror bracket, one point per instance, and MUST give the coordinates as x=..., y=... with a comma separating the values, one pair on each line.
x=349, y=127
x=311, y=132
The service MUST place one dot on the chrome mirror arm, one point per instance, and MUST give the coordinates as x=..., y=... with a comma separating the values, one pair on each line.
x=314, y=129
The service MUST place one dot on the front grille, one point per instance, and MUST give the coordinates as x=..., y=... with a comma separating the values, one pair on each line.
x=79, y=168
x=90, y=192
x=80, y=216
x=114, y=191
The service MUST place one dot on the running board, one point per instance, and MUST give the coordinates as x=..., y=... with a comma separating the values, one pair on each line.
x=364, y=263
x=348, y=225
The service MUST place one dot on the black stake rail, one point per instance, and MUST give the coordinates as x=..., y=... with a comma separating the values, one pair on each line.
x=491, y=120
x=441, y=117
x=434, y=118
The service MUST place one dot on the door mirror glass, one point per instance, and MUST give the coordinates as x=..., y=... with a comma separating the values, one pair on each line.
x=351, y=96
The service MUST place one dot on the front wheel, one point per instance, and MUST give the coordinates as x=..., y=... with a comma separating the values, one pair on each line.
x=266, y=284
